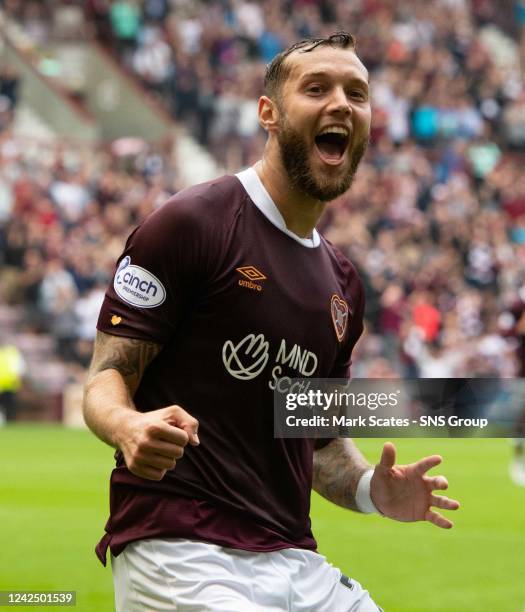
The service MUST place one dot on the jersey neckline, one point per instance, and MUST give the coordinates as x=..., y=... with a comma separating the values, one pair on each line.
x=261, y=198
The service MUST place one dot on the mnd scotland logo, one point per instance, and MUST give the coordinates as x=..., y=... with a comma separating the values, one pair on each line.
x=248, y=358
x=137, y=286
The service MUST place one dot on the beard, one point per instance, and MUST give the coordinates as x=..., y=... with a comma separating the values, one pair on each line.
x=295, y=156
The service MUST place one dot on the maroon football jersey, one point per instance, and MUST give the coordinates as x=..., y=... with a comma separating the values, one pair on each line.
x=238, y=302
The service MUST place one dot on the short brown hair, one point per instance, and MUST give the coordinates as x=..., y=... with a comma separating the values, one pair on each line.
x=277, y=71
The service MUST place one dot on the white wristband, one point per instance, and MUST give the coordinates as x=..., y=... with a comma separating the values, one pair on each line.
x=363, y=499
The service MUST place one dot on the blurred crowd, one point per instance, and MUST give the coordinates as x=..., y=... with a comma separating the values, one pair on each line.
x=442, y=68
x=435, y=220
x=64, y=215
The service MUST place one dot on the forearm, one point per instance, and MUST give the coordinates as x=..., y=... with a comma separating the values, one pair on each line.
x=151, y=442
x=106, y=402
x=113, y=378
x=337, y=470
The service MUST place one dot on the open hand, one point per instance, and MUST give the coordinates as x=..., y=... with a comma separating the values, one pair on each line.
x=405, y=492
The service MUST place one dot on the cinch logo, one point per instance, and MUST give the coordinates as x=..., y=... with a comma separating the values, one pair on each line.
x=252, y=274
x=137, y=286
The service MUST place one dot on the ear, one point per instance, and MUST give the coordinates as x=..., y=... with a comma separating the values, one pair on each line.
x=268, y=114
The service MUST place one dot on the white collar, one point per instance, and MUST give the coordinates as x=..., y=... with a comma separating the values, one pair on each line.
x=261, y=198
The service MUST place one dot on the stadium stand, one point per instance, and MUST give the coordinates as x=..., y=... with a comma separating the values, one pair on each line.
x=435, y=220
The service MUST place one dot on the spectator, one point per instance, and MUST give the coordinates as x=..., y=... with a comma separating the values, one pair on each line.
x=124, y=17
x=152, y=61
x=9, y=84
x=12, y=370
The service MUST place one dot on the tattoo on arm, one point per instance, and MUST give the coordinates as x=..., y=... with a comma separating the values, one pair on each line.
x=337, y=469
x=130, y=357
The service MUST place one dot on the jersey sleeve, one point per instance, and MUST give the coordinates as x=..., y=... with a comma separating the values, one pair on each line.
x=165, y=263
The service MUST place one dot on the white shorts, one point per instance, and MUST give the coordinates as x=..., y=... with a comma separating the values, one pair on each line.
x=189, y=576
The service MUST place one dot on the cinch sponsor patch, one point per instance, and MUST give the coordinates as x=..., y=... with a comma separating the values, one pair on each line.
x=137, y=286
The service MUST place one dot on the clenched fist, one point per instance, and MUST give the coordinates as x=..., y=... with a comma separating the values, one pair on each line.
x=153, y=442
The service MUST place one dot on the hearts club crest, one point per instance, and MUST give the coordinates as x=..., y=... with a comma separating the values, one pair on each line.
x=339, y=310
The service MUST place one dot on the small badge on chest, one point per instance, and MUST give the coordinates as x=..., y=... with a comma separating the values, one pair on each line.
x=339, y=310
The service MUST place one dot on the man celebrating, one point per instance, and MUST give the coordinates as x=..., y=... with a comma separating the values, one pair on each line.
x=216, y=295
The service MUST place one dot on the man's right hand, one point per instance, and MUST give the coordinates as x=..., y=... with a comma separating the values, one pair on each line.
x=153, y=442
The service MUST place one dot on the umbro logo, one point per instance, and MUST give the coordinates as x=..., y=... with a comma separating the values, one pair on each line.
x=251, y=274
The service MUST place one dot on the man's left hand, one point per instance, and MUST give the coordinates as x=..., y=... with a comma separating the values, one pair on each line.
x=405, y=492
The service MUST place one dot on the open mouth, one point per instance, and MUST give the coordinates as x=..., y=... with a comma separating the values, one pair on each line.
x=331, y=144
